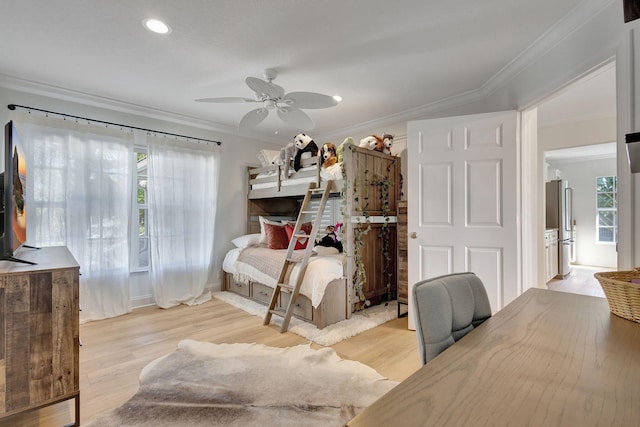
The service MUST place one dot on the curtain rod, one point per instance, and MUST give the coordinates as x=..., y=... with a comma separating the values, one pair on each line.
x=14, y=106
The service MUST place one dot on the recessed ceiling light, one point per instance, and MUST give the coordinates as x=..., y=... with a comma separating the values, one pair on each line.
x=338, y=98
x=156, y=26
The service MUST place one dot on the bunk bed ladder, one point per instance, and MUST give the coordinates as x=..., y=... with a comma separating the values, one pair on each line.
x=294, y=290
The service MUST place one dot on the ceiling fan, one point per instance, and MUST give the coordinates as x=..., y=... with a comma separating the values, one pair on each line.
x=289, y=106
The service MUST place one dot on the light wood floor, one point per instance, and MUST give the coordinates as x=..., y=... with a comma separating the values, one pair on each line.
x=580, y=281
x=115, y=350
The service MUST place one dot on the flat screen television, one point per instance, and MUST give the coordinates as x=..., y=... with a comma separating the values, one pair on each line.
x=14, y=185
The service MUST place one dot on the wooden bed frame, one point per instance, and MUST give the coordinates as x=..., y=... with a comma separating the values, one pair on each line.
x=332, y=309
x=363, y=172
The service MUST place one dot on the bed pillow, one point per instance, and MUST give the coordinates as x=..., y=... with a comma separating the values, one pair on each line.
x=276, y=236
x=247, y=240
x=301, y=243
x=263, y=221
x=268, y=157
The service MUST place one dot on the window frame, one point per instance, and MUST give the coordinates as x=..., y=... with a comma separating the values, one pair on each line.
x=137, y=240
x=613, y=210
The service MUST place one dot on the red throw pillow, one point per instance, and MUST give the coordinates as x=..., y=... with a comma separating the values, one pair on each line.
x=301, y=243
x=276, y=236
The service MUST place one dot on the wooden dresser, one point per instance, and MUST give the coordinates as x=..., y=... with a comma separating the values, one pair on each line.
x=403, y=261
x=39, y=331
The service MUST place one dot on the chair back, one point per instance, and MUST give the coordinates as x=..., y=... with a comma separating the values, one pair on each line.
x=446, y=309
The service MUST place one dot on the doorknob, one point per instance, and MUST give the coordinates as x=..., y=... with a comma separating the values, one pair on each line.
x=413, y=235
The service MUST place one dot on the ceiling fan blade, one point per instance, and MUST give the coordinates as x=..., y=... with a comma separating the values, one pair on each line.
x=253, y=118
x=310, y=100
x=264, y=88
x=296, y=118
x=226, y=99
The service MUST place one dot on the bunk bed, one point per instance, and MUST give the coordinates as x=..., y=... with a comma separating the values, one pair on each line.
x=368, y=184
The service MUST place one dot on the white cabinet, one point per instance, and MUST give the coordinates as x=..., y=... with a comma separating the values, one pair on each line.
x=550, y=254
x=554, y=256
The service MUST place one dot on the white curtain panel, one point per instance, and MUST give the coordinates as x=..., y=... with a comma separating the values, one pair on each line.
x=182, y=208
x=79, y=196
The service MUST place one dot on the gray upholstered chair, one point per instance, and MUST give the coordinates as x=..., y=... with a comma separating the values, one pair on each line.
x=446, y=309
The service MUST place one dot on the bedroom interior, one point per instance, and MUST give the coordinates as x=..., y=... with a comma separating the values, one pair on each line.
x=367, y=186
x=156, y=127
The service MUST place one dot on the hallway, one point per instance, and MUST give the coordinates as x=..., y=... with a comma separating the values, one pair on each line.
x=580, y=281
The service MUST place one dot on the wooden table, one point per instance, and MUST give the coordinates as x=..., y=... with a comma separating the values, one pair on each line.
x=547, y=359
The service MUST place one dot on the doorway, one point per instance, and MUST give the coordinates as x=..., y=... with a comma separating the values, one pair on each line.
x=576, y=139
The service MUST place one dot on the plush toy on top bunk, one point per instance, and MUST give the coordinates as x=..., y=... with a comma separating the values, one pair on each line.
x=387, y=143
x=305, y=148
x=370, y=142
x=340, y=151
x=302, y=147
x=374, y=142
x=286, y=156
x=329, y=244
x=328, y=154
x=331, y=168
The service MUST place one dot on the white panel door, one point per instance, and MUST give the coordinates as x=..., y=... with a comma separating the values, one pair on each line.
x=463, y=180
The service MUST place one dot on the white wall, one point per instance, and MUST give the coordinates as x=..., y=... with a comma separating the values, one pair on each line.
x=577, y=134
x=237, y=153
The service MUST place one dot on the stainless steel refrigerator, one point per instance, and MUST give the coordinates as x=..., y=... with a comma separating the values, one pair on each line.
x=559, y=214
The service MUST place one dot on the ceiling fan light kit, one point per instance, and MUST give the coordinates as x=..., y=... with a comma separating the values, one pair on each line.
x=273, y=97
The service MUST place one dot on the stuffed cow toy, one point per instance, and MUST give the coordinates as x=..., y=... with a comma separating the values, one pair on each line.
x=370, y=142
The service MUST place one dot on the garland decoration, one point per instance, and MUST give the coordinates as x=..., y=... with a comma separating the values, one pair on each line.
x=383, y=183
x=360, y=274
x=360, y=229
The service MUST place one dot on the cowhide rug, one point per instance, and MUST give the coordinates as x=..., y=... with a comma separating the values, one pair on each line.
x=204, y=384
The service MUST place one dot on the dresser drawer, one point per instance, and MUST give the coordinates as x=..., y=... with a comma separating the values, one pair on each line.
x=261, y=293
x=302, y=308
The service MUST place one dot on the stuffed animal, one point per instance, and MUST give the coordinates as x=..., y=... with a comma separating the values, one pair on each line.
x=340, y=152
x=387, y=143
x=287, y=153
x=330, y=240
x=370, y=142
x=328, y=154
x=305, y=145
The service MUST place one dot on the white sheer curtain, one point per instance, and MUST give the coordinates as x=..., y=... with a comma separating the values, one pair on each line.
x=79, y=195
x=183, y=183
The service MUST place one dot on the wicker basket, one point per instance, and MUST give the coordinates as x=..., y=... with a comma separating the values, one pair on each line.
x=622, y=295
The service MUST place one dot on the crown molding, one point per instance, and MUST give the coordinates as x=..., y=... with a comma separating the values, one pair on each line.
x=569, y=24
x=72, y=96
x=421, y=112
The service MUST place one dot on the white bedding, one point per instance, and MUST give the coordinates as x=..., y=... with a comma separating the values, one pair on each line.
x=331, y=173
x=321, y=270
x=228, y=264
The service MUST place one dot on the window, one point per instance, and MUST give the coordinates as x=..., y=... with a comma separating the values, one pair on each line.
x=140, y=240
x=607, y=209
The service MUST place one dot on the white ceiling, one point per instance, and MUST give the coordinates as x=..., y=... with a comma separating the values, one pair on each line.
x=387, y=59
x=591, y=97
